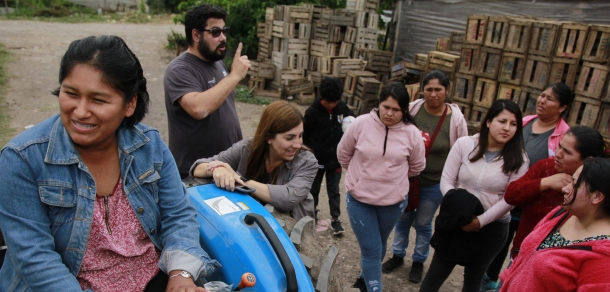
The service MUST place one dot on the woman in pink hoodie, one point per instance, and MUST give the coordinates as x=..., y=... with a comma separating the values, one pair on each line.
x=483, y=164
x=380, y=151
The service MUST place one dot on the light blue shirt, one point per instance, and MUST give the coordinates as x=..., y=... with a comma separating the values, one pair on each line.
x=48, y=196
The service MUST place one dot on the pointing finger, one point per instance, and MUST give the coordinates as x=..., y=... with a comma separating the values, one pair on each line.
x=238, y=51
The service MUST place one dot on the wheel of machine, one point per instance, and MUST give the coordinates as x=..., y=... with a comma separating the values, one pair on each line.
x=318, y=259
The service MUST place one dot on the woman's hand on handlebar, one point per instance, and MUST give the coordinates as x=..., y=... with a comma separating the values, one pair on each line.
x=225, y=177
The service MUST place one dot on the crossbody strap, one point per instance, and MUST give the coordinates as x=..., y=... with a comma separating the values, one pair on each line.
x=438, y=127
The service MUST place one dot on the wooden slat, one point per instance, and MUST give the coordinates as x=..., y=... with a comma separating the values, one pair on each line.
x=592, y=80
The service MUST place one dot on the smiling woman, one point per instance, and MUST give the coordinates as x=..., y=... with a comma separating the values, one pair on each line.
x=275, y=161
x=92, y=197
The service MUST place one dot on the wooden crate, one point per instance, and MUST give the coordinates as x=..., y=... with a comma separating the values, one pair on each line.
x=377, y=60
x=456, y=47
x=255, y=83
x=519, y=31
x=457, y=37
x=269, y=14
x=342, y=19
x=484, y=92
x=326, y=64
x=497, y=31
x=564, y=70
x=346, y=49
x=284, y=74
x=294, y=86
x=511, y=68
x=413, y=73
x=536, y=73
x=351, y=80
x=366, y=19
x=465, y=108
x=443, y=61
x=544, y=38
x=283, y=29
x=398, y=70
x=303, y=30
x=348, y=98
x=364, y=106
x=315, y=77
x=509, y=91
x=488, y=63
x=367, y=88
x=583, y=111
x=476, y=26
x=321, y=31
x=571, y=40
x=603, y=121
x=528, y=99
x=443, y=44
x=340, y=67
x=314, y=63
x=421, y=59
x=304, y=98
x=265, y=49
x=261, y=69
x=318, y=12
x=264, y=30
x=350, y=34
x=294, y=46
x=413, y=91
x=464, y=88
x=362, y=5
x=597, y=48
x=336, y=33
x=477, y=116
x=366, y=36
x=290, y=13
x=592, y=80
x=284, y=61
x=319, y=48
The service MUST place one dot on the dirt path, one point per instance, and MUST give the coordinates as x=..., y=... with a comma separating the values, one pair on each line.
x=37, y=48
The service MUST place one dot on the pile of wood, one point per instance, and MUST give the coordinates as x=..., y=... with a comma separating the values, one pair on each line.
x=515, y=58
x=303, y=44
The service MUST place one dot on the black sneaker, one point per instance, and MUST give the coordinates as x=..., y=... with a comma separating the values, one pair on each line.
x=392, y=264
x=360, y=284
x=417, y=272
x=336, y=226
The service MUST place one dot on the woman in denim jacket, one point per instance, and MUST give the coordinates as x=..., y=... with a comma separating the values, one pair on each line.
x=91, y=198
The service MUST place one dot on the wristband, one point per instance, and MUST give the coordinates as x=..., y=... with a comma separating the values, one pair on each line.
x=184, y=274
x=211, y=168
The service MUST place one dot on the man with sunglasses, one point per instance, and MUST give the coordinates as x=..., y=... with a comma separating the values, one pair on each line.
x=200, y=92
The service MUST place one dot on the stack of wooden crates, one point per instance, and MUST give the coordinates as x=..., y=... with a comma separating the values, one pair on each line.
x=516, y=57
x=306, y=43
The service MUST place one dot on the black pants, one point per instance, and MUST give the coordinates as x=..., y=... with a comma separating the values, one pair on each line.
x=496, y=265
x=333, y=177
x=158, y=283
x=494, y=236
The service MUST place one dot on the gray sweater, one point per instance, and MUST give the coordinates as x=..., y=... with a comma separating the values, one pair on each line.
x=291, y=194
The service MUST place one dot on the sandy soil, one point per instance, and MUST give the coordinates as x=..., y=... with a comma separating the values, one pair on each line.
x=37, y=48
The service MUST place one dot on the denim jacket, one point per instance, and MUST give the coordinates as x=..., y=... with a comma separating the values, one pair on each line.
x=47, y=197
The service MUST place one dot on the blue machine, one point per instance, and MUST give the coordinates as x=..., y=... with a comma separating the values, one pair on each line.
x=244, y=237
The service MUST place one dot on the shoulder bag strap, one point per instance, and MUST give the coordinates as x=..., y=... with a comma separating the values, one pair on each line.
x=438, y=127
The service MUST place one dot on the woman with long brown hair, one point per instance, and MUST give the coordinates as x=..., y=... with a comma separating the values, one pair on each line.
x=274, y=162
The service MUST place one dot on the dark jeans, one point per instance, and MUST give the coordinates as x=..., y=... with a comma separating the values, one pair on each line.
x=496, y=265
x=494, y=236
x=333, y=177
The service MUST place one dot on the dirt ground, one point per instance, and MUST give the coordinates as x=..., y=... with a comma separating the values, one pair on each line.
x=37, y=48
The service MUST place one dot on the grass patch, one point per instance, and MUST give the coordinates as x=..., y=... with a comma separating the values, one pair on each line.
x=6, y=133
x=242, y=94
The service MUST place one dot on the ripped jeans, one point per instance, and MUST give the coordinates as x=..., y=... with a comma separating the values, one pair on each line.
x=372, y=226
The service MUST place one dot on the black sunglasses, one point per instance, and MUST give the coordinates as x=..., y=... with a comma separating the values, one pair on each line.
x=216, y=31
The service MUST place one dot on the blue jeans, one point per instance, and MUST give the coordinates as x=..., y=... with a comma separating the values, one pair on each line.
x=430, y=199
x=372, y=226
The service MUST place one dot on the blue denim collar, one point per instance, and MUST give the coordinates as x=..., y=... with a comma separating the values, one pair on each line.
x=61, y=149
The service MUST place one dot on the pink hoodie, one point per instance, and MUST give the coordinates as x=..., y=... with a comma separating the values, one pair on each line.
x=560, y=130
x=373, y=177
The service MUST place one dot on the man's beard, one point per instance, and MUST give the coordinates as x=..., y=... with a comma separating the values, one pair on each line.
x=209, y=55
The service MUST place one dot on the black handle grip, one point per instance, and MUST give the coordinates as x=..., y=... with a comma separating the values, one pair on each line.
x=291, y=277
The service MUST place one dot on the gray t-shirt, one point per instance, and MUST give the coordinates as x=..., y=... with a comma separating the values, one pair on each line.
x=191, y=139
x=536, y=145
